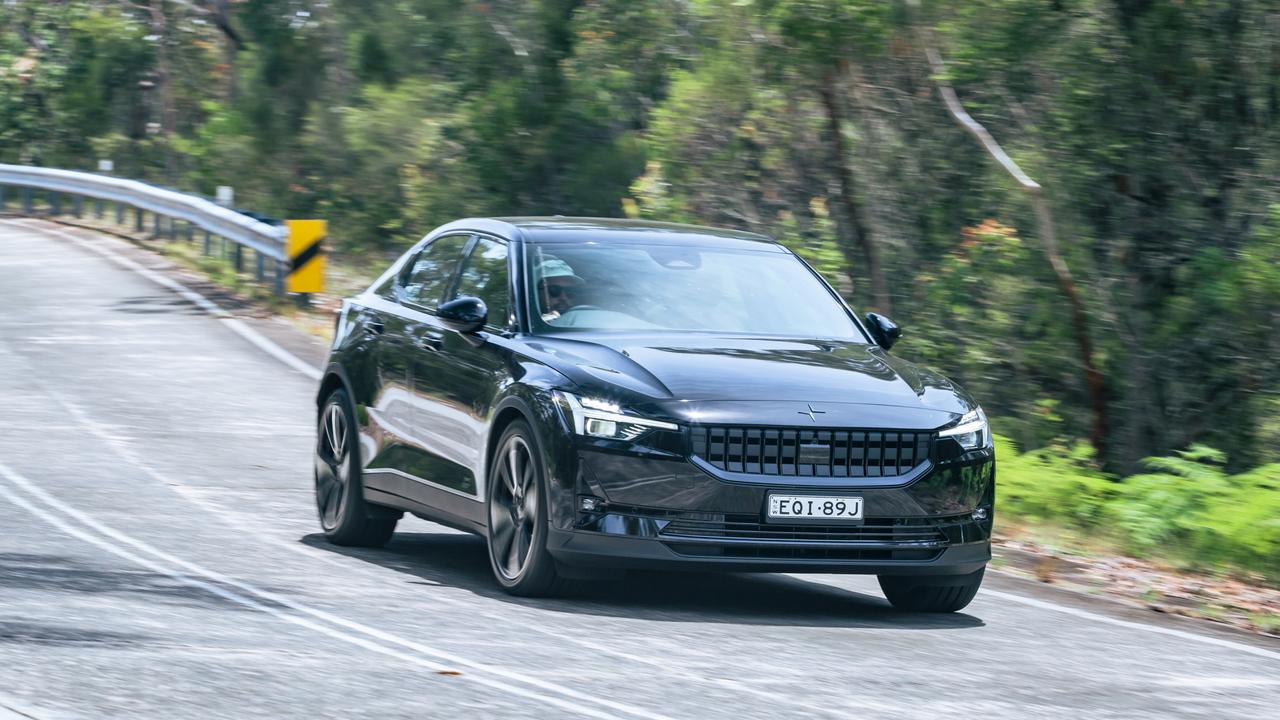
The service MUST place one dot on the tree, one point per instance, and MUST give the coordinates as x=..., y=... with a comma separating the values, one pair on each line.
x=1048, y=240
x=819, y=40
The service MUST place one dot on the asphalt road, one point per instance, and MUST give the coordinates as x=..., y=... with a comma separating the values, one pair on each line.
x=160, y=558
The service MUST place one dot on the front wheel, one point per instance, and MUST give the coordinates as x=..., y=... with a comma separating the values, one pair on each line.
x=931, y=593
x=517, y=504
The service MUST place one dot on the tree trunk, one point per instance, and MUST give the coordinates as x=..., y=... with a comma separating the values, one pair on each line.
x=855, y=222
x=164, y=85
x=1049, y=243
x=231, y=46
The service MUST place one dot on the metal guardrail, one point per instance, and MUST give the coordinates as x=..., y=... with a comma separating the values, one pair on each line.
x=267, y=241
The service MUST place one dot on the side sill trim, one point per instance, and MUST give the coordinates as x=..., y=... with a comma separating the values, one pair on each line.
x=428, y=483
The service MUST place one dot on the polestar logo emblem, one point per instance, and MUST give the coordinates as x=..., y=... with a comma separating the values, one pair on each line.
x=811, y=412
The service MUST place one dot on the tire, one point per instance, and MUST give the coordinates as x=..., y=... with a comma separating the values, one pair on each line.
x=517, y=526
x=932, y=594
x=345, y=516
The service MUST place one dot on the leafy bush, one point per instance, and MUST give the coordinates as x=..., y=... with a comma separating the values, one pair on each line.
x=1187, y=509
x=1055, y=484
x=1161, y=509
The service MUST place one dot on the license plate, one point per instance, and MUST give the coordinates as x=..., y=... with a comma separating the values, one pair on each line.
x=814, y=507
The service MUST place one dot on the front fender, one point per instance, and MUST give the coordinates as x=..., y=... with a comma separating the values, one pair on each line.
x=531, y=399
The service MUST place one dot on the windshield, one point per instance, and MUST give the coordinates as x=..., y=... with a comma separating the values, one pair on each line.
x=631, y=287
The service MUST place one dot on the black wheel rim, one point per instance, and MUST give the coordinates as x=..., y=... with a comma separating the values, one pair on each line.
x=513, y=508
x=333, y=472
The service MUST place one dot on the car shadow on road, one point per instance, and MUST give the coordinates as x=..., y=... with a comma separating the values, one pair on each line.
x=30, y=572
x=156, y=304
x=461, y=561
x=161, y=303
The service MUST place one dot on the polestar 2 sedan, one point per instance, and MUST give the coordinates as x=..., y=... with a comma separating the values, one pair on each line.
x=599, y=395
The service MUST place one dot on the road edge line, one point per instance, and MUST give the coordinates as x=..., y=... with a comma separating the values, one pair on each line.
x=1131, y=624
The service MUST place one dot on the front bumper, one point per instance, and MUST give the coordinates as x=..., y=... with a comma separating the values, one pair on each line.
x=606, y=550
x=657, y=512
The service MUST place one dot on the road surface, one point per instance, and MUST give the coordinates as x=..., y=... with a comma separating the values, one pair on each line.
x=160, y=558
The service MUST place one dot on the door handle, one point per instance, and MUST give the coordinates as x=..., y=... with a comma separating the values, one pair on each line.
x=432, y=341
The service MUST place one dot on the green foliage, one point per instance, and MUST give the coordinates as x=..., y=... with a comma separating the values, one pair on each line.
x=993, y=325
x=1054, y=483
x=820, y=31
x=1186, y=509
x=1161, y=508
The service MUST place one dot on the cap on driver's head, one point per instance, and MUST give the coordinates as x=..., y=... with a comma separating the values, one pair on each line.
x=554, y=267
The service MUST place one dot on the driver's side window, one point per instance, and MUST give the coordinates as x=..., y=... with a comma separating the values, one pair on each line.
x=429, y=274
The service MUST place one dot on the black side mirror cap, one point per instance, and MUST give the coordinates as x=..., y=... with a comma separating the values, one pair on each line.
x=883, y=330
x=464, y=314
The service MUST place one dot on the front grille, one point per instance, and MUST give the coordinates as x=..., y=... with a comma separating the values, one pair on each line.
x=808, y=453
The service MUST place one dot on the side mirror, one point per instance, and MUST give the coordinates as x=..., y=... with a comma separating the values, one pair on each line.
x=463, y=314
x=883, y=330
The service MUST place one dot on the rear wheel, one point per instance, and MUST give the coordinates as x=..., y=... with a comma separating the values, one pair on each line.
x=931, y=593
x=345, y=517
x=517, y=505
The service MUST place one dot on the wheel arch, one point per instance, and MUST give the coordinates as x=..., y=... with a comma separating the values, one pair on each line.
x=334, y=378
x=536, y=407
x=501, y=421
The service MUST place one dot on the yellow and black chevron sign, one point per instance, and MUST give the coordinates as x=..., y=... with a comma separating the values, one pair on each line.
x=306, y=257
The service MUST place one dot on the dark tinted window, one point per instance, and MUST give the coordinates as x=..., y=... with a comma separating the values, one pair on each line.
x=485, y=276
x=432, y=270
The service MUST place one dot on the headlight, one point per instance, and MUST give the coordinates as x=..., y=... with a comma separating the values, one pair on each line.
x=971, y=432
x=594, y=417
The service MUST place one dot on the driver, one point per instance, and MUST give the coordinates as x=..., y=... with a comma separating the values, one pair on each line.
x=558, y=288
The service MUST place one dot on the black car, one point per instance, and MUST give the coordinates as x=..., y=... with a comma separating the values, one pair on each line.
x=607, y=394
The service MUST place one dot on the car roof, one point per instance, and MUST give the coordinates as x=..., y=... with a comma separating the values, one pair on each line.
x=559, y=229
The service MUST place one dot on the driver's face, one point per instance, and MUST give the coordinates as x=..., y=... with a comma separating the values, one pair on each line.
x=559, y=294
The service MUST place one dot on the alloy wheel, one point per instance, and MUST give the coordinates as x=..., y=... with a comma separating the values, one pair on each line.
x=513, y=510
x=333, y=472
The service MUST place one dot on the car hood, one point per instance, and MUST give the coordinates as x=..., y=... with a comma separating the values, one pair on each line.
x=708, y=371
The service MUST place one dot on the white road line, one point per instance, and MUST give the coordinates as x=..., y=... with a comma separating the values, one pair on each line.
x=856, y=706
x=298, y=364
x=1087, y=615
x=12, y=710
x=318, y=620
x=237, y=326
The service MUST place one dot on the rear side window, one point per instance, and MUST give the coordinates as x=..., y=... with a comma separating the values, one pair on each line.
x=485, y=276
x=433, y=269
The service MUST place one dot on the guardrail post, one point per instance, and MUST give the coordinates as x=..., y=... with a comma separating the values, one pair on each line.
x=55, y=204
x=1, y=198
x=191, y=232
x=173, y=229
x=208, y=241
x=26, y=201
x=261, y=272
x=279, y=284
x=155, y=228
x=238, y=257
x=137, y=219
x=77, y=205
x=119, y=213
x=97, y=209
